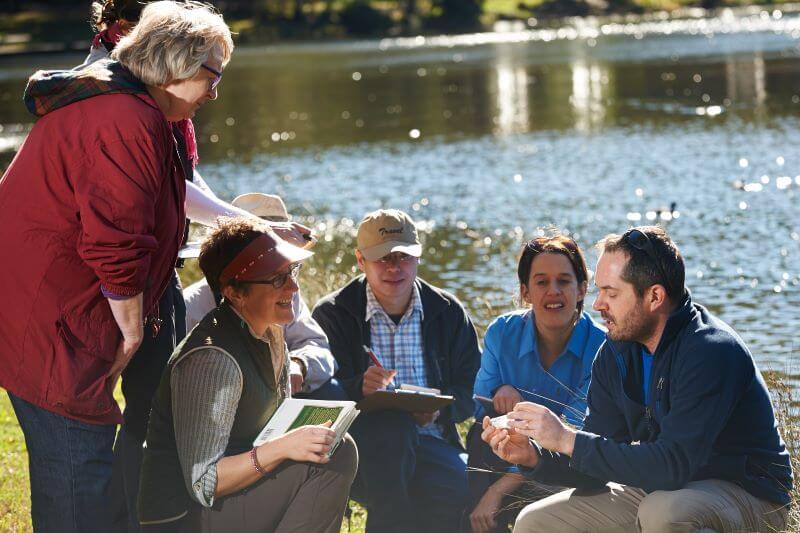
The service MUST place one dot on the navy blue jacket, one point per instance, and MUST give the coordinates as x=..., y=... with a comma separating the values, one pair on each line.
x=709, y=416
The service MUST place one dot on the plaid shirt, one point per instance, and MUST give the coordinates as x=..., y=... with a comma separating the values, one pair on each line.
x=399, y=346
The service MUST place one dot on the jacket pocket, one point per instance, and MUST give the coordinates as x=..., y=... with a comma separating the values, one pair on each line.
x=78, y=382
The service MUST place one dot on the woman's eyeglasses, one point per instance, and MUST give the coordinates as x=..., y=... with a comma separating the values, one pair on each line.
x=217, y=76
x=278, y=280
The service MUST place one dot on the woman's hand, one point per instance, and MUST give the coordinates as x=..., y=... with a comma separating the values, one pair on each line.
x=505, y=398
x=482, y=517
x=306, y=444
x=127, y=348
x=128, y=316
x=509, y=445
x=292, y=232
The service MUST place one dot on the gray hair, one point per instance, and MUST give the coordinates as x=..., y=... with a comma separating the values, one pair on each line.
x=172, y=40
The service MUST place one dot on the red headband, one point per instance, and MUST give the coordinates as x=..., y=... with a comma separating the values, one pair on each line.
x=264, y=256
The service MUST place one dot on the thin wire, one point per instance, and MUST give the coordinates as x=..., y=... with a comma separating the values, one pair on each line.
x=574, y=393
x=576, y=411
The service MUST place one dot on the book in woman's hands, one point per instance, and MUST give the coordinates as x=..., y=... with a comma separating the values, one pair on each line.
x=296, y=412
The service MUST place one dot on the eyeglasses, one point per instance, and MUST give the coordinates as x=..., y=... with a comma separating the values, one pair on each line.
x=639, y=240
x=395, y=258
x=278, y=280
x=217, y=76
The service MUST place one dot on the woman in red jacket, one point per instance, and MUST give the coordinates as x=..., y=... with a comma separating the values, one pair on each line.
x=91, y=217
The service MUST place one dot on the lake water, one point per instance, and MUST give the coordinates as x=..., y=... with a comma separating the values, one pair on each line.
x=486, y=139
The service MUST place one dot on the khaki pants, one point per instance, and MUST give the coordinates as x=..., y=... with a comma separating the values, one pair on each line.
x=709, y=505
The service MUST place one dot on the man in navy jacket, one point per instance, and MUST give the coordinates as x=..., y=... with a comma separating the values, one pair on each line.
x=680, y=433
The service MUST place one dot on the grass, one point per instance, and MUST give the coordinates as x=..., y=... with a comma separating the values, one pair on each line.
x=14, y=481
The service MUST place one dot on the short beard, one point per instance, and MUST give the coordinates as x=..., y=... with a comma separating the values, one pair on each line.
x=637, y=326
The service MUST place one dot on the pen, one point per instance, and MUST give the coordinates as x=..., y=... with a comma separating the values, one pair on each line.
x=372, y=356
x=375, y=361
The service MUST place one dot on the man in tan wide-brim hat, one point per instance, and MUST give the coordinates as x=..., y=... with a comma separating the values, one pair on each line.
x=312, y=364
x=412, y=471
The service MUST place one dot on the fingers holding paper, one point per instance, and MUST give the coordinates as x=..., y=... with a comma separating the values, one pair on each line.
x=509, y=445
x=542, y=425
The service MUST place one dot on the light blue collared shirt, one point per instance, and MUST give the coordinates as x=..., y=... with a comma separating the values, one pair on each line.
x=510, y=357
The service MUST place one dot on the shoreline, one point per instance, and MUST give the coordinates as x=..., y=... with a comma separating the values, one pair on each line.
x=503, y=30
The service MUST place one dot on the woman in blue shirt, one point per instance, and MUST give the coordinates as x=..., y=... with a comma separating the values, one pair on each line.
x=541, y=354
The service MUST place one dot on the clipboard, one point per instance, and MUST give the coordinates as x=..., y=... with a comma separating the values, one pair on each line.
x=404, y=400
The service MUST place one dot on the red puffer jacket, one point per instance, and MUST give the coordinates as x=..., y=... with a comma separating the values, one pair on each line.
x=94, y=197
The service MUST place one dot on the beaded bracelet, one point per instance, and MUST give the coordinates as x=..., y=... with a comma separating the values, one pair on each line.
x=257, y=466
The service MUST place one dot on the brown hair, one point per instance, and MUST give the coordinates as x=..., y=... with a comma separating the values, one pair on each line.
x=666, y=268
x=107, y=12
x=223, y=245
x=553, y=244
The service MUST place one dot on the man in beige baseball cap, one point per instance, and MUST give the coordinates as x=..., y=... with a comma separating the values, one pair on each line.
x=385, y=231
x=412, y=476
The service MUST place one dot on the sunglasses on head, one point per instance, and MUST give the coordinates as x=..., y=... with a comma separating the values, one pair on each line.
x=217, y=75
x=640, y=241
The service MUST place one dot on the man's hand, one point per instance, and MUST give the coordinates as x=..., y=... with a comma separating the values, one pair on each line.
x=505, y=398
x=482, y=517
x=376, y=378
x=423, y=419
x=295, y=377
x=509, y=445
x=542, y=425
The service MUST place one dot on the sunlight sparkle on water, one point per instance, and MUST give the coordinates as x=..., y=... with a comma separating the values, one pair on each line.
x=414, y=134
x=743, y=162
x=517, y=178
x=743, y=205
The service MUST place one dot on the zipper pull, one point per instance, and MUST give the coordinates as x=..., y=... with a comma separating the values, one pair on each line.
x=660, y=385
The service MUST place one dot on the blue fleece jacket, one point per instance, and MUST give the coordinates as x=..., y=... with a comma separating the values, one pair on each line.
x=709, y=416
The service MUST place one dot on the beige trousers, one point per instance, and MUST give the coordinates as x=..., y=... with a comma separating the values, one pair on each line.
x=709, y=505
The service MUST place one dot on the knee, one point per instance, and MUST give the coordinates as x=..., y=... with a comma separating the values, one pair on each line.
x=532, y=518
x=662, y=510
x=345, y=459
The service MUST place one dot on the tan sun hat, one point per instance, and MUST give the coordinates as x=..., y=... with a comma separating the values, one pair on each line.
x=268, y=206
x=385, y=231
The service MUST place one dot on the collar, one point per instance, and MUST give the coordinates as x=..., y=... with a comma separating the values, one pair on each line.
x=575, y=345
x=264, y=338
x=676, y=321
x=374, y=307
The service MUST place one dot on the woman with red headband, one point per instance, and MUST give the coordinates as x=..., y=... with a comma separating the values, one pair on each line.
x=223, y=383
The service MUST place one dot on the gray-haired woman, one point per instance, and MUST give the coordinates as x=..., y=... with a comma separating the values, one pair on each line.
x=92, y=206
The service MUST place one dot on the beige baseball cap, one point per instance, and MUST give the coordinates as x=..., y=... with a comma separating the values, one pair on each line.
x=385, y=231
x=268, y=206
